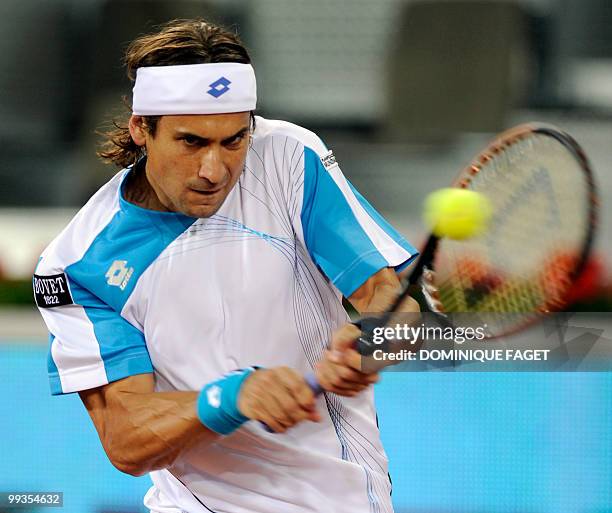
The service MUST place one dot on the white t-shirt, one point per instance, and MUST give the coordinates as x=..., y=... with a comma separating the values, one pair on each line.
x=125, y=290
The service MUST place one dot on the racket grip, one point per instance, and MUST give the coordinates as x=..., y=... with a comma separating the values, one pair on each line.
x=313, y=383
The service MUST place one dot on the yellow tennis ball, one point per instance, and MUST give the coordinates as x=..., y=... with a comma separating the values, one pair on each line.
x=457, y=213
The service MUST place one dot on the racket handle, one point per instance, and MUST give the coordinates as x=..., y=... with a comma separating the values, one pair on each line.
x=365, y=346
x=313, y=383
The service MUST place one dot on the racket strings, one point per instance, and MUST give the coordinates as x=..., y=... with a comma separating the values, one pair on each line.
x=525, y=260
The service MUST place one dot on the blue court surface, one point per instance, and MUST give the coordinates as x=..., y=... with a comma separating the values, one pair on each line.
x=457, y=443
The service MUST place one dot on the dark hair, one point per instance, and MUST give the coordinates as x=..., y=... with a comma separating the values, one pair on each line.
x=176, y=42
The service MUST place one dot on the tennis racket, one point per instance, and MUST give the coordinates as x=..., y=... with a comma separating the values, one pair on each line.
x=541, y=187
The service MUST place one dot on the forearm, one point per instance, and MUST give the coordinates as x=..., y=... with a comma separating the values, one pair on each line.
x=144, y=430
x=156, y=428
x=377, y=294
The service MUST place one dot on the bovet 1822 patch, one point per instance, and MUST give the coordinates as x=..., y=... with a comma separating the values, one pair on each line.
x=52, y=290
x=329, y=160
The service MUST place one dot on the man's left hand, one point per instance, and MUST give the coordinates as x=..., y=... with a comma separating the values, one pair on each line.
x=339, y=370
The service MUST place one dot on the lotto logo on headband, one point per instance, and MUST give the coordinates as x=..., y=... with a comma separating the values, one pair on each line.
x=219, y=87
x=194, y=89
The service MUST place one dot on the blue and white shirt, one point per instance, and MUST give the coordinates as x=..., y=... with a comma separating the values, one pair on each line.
x=125, y=290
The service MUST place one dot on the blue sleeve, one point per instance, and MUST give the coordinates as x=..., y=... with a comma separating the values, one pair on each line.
x=118, y=349
x=347, y=239
x=92, y=343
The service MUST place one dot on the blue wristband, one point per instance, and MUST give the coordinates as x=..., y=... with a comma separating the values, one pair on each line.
x=218, y=402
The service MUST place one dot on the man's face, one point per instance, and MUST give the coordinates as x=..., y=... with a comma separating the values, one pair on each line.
x=194, y=161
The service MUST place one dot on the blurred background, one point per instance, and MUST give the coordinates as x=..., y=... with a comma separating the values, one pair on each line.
x=405, y=92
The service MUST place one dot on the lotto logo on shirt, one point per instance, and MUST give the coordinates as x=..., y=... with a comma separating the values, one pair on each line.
x=119, y=274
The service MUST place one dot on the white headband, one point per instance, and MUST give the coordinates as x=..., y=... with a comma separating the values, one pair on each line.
x=214, y=88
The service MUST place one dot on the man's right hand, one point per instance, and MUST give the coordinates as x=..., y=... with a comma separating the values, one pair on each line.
x=279, y=397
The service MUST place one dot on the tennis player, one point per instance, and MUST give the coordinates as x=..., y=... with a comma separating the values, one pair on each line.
x=194, y=290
